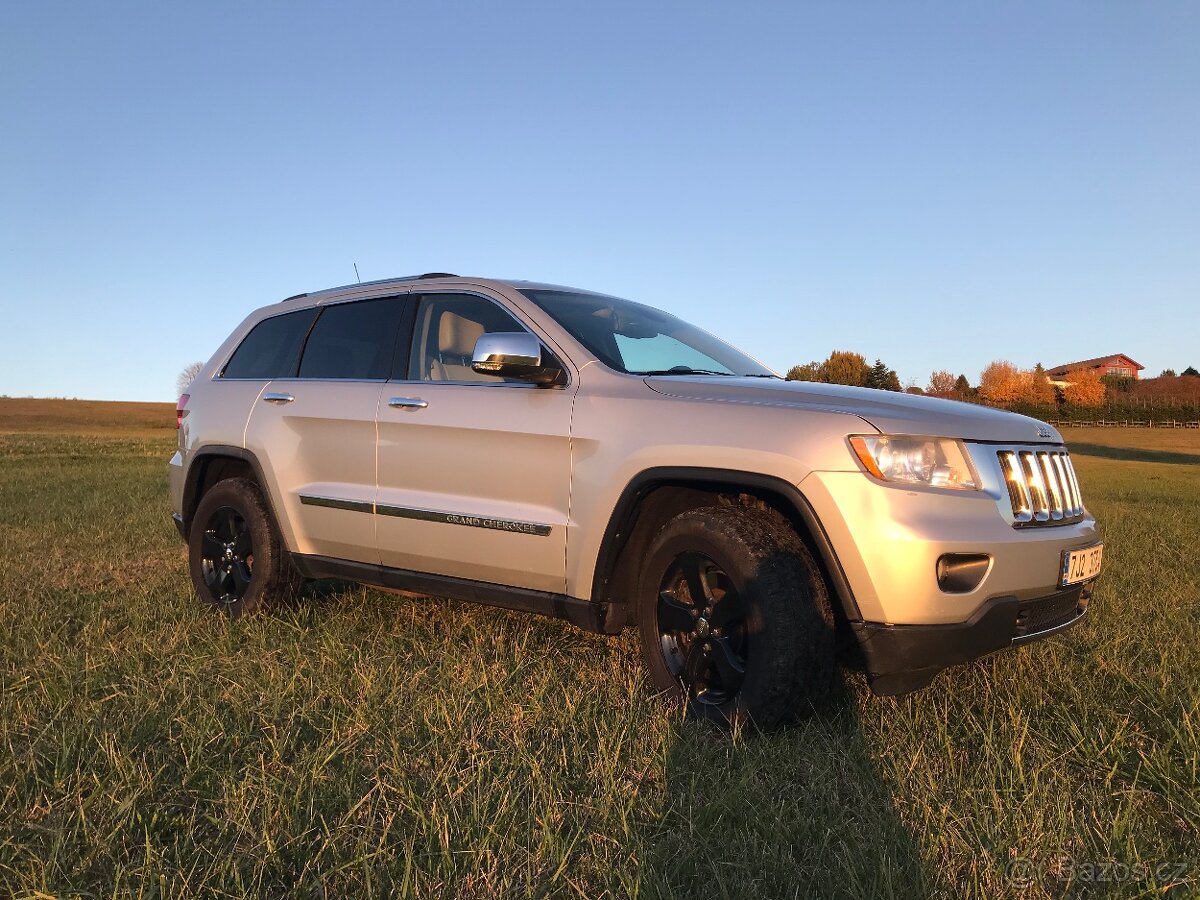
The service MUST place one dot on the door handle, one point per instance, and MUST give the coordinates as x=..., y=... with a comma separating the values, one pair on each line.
x=278, y=398
x=407, y=403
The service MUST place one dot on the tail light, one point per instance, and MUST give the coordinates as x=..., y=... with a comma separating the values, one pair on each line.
x=181, y=410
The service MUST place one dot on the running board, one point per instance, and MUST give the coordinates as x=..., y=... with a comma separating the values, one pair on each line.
x=600, y=618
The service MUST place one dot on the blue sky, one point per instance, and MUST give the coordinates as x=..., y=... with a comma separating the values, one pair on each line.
x=938, y=185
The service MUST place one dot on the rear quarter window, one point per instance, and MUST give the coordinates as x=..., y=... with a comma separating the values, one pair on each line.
x=272, y=348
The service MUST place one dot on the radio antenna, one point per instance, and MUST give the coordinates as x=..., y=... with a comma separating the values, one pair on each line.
x=356, y=275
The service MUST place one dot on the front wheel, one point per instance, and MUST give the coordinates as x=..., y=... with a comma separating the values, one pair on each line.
x=735, y=618
x=237, y=560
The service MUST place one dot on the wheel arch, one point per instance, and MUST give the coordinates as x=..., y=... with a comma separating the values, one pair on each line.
x=214, y=463
x=655, y=495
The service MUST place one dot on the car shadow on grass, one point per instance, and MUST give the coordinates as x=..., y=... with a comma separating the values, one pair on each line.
x=1134, y=454
x=799, y=813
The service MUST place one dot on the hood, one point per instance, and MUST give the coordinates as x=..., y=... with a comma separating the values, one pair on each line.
x=890, y=412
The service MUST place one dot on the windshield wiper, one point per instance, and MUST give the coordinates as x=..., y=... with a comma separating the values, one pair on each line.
x=682, y=370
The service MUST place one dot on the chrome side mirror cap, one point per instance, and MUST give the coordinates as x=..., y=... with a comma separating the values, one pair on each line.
x=514, y=354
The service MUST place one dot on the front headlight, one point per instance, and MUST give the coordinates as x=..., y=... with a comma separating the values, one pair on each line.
x=930, y=461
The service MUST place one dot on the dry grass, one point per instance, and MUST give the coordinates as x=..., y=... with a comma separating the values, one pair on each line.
x=23, y=415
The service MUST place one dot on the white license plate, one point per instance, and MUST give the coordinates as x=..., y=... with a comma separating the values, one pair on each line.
x=1081, y=565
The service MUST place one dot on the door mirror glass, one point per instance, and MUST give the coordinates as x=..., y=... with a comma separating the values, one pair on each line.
x=514, y=354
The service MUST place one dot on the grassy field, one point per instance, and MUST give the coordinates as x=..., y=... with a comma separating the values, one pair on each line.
x=366, y=744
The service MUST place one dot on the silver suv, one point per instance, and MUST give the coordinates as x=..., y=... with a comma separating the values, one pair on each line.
x=576, y=455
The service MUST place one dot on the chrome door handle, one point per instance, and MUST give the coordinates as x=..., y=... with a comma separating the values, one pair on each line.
x=278, y=398
x=407, y=403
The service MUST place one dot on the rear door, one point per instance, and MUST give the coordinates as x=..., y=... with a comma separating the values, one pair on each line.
x=314, y=432
x=474, y=470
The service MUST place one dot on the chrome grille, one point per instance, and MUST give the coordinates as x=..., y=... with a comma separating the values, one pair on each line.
x=1042, y=486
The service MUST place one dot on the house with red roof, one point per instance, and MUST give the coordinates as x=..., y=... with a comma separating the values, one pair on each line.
x=1118, y=364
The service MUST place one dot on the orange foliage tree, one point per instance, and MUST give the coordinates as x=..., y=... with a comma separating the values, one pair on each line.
x=1036, y=388
x=1084, y=388
x=1001, y=383
x=941, y=384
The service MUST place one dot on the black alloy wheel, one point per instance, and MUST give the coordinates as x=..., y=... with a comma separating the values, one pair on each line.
x=227, y=555
x=236, y=556
x=702, y=627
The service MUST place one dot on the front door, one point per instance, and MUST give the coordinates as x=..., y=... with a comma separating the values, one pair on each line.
x=474, y=470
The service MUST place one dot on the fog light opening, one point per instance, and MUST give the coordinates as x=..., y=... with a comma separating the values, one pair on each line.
x=961, y=573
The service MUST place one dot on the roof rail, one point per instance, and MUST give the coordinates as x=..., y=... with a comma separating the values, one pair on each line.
x=362, y=284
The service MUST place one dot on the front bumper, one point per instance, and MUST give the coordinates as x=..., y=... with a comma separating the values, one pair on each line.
x=888, y=541
x=903, y=658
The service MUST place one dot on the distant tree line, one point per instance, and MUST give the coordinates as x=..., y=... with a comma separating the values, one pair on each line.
x=846, y=367
x=1006, y=385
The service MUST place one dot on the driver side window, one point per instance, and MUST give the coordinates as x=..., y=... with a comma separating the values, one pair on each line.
x=447, y=327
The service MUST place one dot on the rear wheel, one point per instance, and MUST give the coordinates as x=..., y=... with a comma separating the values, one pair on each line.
x=735, y=618
x=236, y=557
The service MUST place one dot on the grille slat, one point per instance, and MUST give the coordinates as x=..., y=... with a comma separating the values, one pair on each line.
x=1037, y=487
x=1071, y=506
x=1042, y=486
x=1018, y=491
x=1074, y=482
x=1054, y=495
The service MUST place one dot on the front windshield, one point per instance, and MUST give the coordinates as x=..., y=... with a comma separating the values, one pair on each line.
x=642, y=340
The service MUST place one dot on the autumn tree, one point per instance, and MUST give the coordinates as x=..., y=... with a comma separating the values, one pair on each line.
x=1000, y=383
x=807, y=372
x=942, y=384
x=1084, y=388
x=1036, y=387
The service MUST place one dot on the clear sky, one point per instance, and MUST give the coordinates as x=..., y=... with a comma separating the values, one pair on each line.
x=935, y=184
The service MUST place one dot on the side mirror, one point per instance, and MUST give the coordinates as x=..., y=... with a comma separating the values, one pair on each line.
x=514, y=354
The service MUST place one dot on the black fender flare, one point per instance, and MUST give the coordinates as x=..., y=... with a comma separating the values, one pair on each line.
x=204, y=454
x=624, y=516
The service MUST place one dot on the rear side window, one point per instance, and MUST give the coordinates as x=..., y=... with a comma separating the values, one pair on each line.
x=352, y=340
x=272, y=348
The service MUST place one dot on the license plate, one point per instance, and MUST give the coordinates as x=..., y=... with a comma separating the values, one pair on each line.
x=1081, y=565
